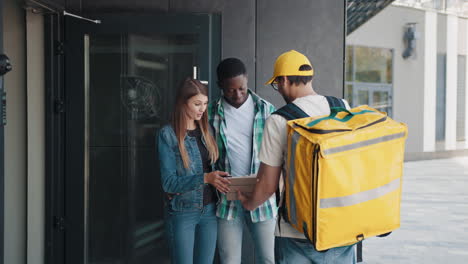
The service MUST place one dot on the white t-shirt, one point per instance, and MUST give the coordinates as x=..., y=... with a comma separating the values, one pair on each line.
x=274, y=143
x=239, y=133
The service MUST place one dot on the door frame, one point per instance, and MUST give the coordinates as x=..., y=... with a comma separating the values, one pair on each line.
x=2, y=148
x=55, y=140
x=65, y=143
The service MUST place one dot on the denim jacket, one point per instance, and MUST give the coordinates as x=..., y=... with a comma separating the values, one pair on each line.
x=184, y=184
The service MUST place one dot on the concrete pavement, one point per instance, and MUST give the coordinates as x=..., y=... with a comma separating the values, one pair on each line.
x=434, y=217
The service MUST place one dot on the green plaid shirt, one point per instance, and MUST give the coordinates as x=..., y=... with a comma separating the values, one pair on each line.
x=227, y=209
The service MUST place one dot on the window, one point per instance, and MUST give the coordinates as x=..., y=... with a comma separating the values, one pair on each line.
x=369, y=77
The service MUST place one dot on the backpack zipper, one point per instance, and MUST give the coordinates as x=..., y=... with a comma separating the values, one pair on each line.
x=314, y=192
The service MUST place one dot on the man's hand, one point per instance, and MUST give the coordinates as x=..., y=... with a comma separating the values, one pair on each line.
x=267, y=183
x=244, y=199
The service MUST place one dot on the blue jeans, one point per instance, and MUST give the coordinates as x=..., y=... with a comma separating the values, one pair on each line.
x=230, y=238
x=192, y=235
x=300, y=251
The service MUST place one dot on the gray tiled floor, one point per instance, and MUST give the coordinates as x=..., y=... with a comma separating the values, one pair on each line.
x=434, y=217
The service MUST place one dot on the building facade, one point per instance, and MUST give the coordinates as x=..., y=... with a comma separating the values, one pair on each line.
x=410, y=60
x=86, y=97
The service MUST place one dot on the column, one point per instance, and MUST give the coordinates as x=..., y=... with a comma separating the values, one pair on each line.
x=451, y=83
x=430, y=81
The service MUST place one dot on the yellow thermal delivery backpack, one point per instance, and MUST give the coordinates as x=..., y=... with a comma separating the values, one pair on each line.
x=344, y=176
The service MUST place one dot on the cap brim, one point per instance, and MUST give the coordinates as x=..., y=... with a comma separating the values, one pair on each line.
x=271, y=80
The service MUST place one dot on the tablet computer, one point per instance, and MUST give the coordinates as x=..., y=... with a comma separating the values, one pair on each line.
x=244, y=184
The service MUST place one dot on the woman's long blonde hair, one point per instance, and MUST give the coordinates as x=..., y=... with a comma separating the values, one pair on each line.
x=187, y=90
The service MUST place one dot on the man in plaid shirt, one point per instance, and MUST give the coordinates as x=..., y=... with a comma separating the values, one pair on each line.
x=238, y=118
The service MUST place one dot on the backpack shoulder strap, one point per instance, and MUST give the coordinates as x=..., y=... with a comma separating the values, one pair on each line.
x=291, y=112
x=335, y=102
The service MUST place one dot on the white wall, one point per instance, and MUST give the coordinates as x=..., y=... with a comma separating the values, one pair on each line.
x=15, y=134
x=462, y=41
x=463, y=50
x=386, y=30
x=451, y=83
x=35, y=138
x=430, y=81
x=441, y=33
x=465, y=36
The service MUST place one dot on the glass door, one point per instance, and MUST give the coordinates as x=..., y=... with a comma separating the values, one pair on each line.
x=121, y=79
x=378, y=96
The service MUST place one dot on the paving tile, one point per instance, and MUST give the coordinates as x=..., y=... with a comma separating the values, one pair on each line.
x=434, y=217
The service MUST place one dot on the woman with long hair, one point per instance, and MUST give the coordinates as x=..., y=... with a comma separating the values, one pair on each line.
x=187, y=152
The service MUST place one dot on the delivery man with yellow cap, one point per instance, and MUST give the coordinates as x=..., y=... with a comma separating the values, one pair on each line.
x=292, y=78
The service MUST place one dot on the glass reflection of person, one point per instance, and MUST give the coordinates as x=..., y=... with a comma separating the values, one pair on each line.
x=187, y=151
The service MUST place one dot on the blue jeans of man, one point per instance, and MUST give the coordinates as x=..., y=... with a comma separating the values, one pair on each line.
x=300, y=251
x=192, y=235
x=230, y=238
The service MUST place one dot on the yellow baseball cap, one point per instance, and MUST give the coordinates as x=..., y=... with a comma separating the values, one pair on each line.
x=288, y=64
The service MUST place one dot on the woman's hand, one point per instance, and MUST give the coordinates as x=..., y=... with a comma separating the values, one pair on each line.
x=216, y=179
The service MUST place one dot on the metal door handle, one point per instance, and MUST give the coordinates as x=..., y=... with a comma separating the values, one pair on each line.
x=195, y=72
x=195, y=75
